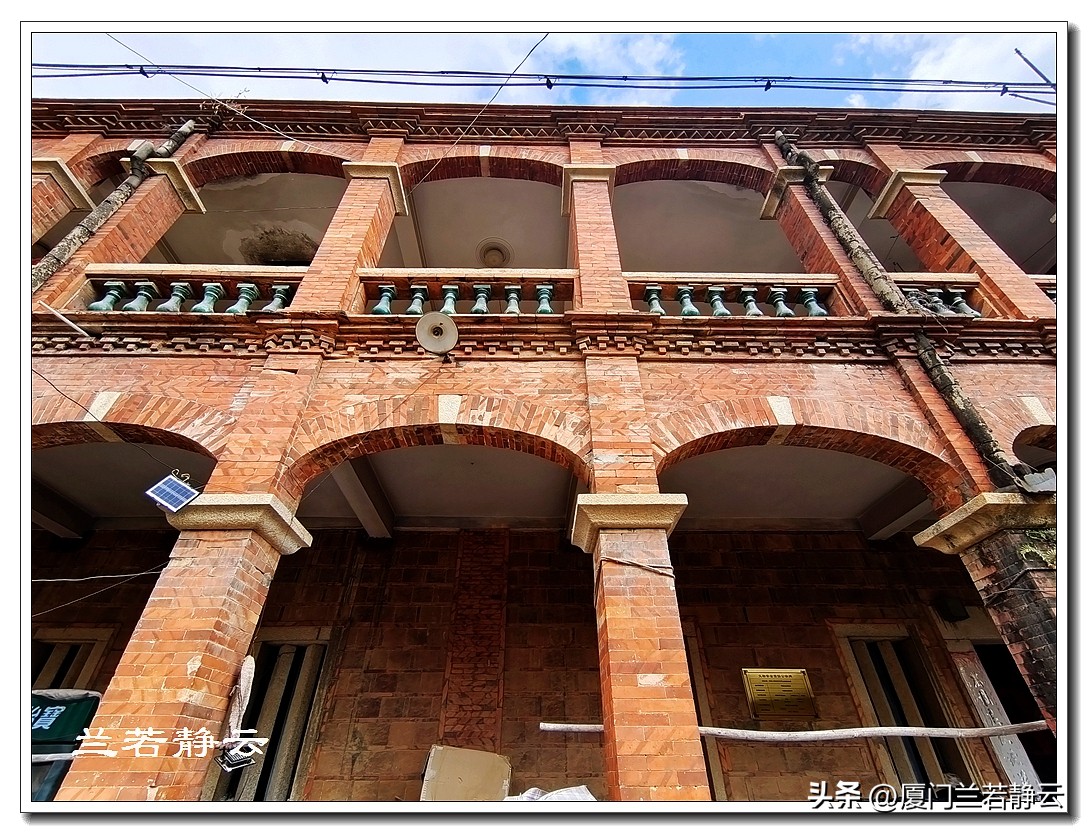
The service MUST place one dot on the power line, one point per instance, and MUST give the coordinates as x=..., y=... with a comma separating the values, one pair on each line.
x=476, y=79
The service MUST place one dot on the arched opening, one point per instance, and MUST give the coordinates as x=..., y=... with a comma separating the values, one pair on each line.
x=97, y=546
x=1022, y=222
x=1037, y=446
x=879, y=235
x=697, y=226
x=806, y=604
x=440, y=604
x=480, y=223
x=263, y=219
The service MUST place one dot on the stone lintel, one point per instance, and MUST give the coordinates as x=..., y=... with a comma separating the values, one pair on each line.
x=388, y=171
x=787, y=175
x=172, y=170
x=984, y=515
x=904, y=176
x=586, y=173
x=262, y=513
x=55, y=167
x=594, y=512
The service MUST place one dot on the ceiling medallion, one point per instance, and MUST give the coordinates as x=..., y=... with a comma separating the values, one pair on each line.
x=494, y=253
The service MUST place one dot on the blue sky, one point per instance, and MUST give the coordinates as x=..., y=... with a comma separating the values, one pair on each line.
x=903, y=50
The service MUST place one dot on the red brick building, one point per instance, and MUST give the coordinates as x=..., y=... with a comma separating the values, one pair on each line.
x=742, y=429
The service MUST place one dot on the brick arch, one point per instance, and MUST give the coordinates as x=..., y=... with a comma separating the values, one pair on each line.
x=1040, y=178
x=324, y=441
x=865, y=175
x=1009, y=417
x=897, y=440
x=247, y=161
x=502, y=163
x=1044, y=436
x=104, y=163
x=739, y=171
x=135, y=418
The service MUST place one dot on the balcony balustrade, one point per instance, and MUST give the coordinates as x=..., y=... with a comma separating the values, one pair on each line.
x=139, y=288
x=413, y=292
x=745, y=295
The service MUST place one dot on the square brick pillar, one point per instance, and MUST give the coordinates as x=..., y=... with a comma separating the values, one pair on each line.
x=133, y=230
x=357, y=233
x=594, y=250
x=1008, y=543
x=652, y=747
x=946, y=239
x=183, y=658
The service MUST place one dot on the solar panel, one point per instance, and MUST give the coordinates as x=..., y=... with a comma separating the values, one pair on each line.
x=172, y=493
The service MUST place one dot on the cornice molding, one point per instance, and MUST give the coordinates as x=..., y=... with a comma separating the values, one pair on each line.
x=552, y=125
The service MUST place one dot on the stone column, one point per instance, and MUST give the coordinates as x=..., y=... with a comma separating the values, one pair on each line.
x=176, y=674
x=652, y=747
x=358, y=231
x=946, y=239
x=1008, y=543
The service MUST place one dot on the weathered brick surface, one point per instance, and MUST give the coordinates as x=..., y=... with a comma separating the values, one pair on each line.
x=418, y=621
x=471, y=713
x=652, y=747
x=190, y=640
x=772, y=600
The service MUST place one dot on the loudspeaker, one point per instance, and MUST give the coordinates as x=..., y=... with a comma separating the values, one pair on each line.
x=436, y=333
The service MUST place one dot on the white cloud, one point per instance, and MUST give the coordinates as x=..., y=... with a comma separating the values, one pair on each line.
x=571, y=53
x=975, y=56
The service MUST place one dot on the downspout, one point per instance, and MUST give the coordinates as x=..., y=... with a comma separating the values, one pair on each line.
x=60, y=254
x=1000, y=469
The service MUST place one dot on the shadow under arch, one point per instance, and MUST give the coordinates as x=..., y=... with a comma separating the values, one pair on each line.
x=327, y=456
x=947, y=485
x=500, y=165
x=226, y=163
x=740, y=171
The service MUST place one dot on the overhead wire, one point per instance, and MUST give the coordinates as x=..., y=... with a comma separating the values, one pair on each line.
x=478, y=78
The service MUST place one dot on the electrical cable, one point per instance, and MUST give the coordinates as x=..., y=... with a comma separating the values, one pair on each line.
x=95, y=418
x=482, y=109
x=99, y=591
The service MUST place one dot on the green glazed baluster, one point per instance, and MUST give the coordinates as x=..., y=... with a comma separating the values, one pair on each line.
x=652, y=296
x=449, y=299
x=544, y=299
x=687, y=308
x=777, y=297
x=115, y=290
x=716, y=297
x=279, y=298
x=747, y=297
x=145, y=291
x=937, y=301
x=419, y=297
x=513, y=299
x=483, y=295
x=212, y=293
x=179, y=292
x=247, y=294
x=387, y=293
x=960, y=305
x=808, y=298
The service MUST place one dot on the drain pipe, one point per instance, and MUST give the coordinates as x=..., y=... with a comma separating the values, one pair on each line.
x=60, y=254
x=1000, y=469
x=859, y=252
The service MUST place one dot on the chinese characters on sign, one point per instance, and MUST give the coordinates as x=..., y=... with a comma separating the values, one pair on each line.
x=145, y=742
x=883, y=798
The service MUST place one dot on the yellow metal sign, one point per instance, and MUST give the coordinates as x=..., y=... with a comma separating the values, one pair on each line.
x=779, y=693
